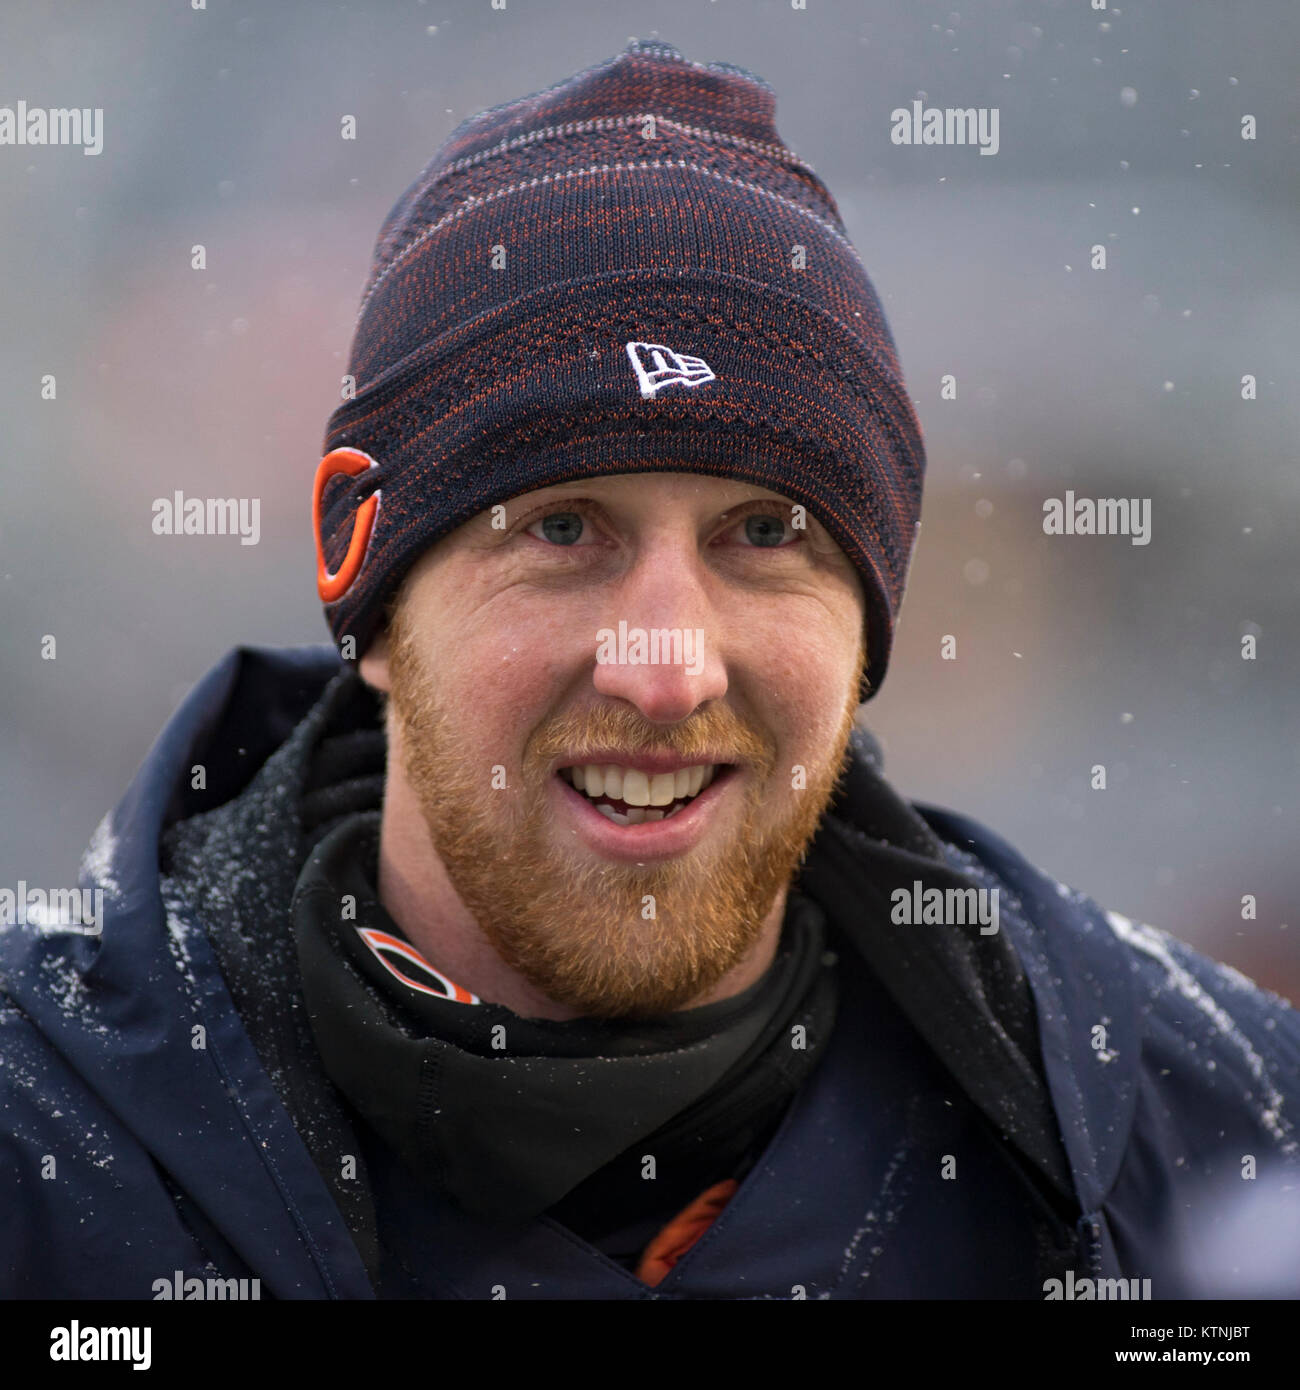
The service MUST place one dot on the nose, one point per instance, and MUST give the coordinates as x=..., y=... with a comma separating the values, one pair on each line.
x=660, y=649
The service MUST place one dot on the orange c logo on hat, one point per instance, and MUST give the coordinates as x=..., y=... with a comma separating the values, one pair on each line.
x=332, y=587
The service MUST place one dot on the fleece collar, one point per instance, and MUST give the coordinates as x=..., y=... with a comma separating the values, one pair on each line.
x=506, y=1114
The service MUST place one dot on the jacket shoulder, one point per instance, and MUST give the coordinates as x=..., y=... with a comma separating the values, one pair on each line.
x=1216, y=1031
x=1219, y=1052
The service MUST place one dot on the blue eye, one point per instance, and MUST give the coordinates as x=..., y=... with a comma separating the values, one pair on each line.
x=562, y=528
x=765, y=529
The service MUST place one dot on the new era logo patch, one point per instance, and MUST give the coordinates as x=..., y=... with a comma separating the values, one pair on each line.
x=657, y=366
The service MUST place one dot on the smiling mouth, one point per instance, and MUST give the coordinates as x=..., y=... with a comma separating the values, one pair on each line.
x=629, y=797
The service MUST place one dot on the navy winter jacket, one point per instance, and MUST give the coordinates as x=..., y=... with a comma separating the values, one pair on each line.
x=140, y=1133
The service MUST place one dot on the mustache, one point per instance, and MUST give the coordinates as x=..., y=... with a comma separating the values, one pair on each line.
x=716, y=734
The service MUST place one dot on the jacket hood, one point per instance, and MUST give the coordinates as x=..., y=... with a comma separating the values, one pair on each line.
x=142, y=1010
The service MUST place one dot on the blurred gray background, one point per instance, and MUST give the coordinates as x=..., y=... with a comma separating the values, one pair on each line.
x=1118, y=127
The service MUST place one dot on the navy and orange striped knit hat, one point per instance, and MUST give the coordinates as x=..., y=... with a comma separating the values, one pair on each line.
x=627, y=272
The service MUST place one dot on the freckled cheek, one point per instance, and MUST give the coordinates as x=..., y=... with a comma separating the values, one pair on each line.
x=803, y=715
x=544, y=643
x=513, y=675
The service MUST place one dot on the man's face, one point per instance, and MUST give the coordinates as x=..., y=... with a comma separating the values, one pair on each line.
x=506, y=672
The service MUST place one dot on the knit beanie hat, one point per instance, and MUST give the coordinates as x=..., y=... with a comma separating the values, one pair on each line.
x=626, y=272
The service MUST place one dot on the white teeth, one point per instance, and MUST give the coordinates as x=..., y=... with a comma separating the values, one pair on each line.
x=638, y=815
x=636, y=788
x=639, y=789
x=661, y=788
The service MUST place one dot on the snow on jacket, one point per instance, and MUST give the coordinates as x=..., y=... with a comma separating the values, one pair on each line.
x=140, y=1133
